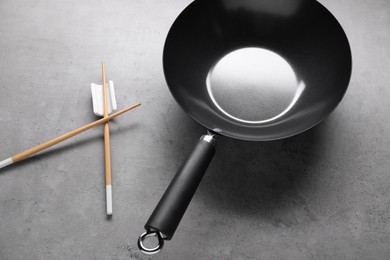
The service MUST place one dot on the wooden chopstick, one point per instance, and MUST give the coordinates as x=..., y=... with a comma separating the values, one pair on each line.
x=20, y=156
x=107, y=151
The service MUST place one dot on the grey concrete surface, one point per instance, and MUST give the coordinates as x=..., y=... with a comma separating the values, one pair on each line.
x=324, y=194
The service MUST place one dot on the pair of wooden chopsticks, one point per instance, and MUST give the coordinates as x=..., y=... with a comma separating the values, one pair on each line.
x=20, y=156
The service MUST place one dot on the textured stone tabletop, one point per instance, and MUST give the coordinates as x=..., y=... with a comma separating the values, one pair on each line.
x=324, y=194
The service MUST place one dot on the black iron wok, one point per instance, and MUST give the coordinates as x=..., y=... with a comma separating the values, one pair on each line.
x=248, y=69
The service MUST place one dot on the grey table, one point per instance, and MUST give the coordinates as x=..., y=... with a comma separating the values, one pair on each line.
x=324, y=194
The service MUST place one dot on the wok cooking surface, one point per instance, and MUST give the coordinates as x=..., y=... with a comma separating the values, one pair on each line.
x=257, y=70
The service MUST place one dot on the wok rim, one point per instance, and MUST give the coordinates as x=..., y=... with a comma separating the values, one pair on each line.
x=348, y=55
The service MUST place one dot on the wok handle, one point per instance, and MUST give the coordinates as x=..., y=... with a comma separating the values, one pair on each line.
x=170, y=210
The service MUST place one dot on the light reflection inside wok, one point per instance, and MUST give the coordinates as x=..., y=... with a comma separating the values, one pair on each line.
x=253, y=85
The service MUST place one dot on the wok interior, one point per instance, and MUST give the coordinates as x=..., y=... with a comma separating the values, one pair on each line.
x=257, y=70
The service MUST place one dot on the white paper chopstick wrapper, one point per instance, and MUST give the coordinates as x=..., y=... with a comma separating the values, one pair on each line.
x=97, y=98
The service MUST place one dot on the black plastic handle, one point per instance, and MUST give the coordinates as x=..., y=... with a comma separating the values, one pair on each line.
x=170, y=210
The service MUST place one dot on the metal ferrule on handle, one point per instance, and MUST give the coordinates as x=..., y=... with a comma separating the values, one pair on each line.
x=173, y=204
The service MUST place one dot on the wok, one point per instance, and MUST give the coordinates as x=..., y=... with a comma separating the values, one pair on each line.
x=254, y=70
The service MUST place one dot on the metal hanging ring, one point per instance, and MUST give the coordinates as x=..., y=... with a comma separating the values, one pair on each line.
x=146, y=235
